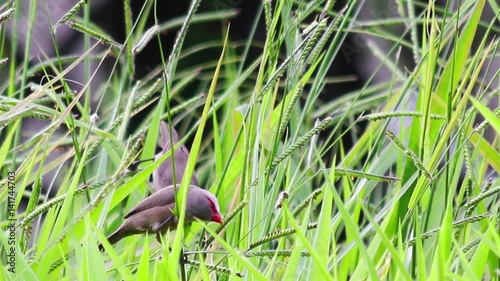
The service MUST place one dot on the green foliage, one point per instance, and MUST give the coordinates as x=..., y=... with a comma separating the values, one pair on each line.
x=413, y=197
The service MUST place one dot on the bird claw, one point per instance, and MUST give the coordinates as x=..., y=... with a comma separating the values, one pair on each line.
x=183, y=259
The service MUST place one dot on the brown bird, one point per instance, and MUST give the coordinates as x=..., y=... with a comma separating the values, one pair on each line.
x=155, y=213
x=163, y=175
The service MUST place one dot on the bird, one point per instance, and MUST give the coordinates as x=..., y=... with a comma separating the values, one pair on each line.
x=163, y=175
x=155, y=214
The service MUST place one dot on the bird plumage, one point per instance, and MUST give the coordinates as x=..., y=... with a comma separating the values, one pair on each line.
x=155, y=214
x=163, y=175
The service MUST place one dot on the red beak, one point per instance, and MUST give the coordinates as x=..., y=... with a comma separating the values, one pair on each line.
x=216, y=218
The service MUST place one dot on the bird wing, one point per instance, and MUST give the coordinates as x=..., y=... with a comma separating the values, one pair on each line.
x=162, y=197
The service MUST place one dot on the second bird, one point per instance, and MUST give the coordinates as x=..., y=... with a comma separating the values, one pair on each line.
x=163, y=175
x=155, y=214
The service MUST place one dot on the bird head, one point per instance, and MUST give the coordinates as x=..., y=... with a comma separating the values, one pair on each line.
x=203, y=205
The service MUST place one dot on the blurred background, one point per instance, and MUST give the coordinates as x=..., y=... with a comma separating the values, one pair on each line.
x=356, y=65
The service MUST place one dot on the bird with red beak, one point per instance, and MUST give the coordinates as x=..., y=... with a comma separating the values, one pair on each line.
x=155, y=214
x=163, y=175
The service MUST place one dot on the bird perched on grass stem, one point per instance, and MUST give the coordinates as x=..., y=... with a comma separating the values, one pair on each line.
x=155, y=214
x=163, y=175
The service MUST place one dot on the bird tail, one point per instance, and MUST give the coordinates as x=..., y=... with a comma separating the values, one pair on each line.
x=113, y=238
